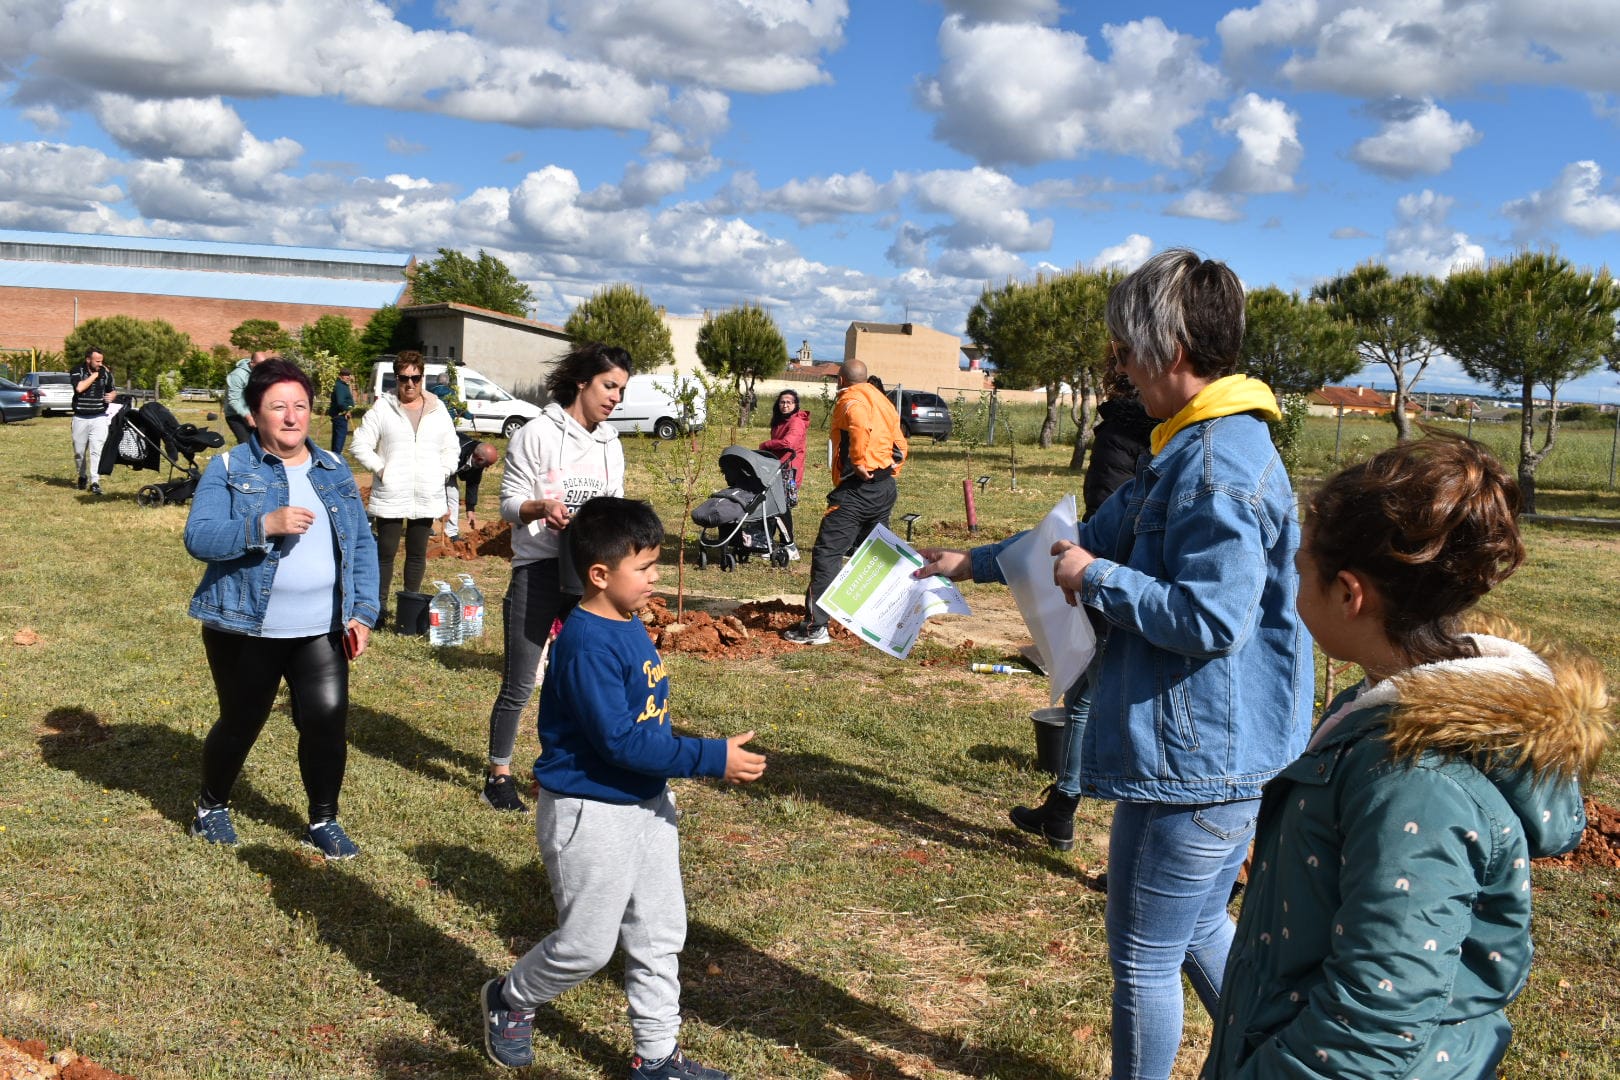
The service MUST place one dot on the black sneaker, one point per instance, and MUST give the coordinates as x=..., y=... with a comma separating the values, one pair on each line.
x=675, y=1067
x=508, y=1032
x=500, y=793
x=95, y=488
x=214, y=826
x=807, y=634
x=84, y=482
x=328, y=838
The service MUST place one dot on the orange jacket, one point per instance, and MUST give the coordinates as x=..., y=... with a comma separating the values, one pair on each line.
x=865, y=432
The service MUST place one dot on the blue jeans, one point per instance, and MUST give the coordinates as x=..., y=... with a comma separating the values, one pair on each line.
x=340, y=433
x=1078, y=700
x=1170, y=875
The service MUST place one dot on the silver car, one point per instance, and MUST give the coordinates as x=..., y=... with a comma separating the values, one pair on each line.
x=17, y=402
x=54, y=389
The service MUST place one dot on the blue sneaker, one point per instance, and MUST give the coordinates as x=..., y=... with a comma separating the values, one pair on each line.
x=214, y=826
x=675, y=1067
x=328, y=838
x=508, y=1032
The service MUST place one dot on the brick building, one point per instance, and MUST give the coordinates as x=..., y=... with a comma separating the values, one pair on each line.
x=51, y=282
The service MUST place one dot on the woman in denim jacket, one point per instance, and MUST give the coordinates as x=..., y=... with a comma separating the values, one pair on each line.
x=290, y=592
x=1203, y=677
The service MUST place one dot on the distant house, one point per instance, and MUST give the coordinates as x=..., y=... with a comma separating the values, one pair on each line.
x=517, y=353
x=1355, y=401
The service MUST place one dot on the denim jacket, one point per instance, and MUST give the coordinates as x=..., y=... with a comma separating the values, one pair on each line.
x=1203, y=679
x=226, y=531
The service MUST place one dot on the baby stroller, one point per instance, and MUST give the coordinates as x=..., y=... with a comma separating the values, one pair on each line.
x=147, y=437
x=745, y=518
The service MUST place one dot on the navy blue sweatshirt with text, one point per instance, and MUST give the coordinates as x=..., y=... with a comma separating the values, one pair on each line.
x=604, y=716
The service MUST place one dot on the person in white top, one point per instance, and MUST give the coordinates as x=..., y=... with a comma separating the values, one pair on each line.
x=558, y=461
x=408, y=441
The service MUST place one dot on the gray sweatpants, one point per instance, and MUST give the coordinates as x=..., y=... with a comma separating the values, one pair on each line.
x=615, y=876
x=89, y=436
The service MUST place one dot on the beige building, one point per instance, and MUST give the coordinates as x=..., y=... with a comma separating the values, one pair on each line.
x=517, y=353
x=907, y=354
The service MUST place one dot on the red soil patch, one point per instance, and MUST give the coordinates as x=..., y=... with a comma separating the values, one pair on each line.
x=1600, y=844
x=31, y=1058
x=753, y=629
x=491, y=539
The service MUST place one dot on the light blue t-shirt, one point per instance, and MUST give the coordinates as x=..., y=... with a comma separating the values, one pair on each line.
x=303, y=599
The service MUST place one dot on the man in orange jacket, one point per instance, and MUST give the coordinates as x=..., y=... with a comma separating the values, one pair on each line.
x=868, y=449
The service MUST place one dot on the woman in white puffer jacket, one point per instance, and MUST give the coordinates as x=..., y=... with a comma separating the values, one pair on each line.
x=408, y=441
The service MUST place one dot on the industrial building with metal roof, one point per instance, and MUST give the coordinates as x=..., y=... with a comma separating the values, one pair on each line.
x=52, y=282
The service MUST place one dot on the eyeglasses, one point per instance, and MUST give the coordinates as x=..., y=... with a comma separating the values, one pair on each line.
x=409, y=378
x=1118, y=352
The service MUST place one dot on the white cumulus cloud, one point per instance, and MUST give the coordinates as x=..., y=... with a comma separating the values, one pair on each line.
x=1208, y=205
x=1269, y=150
x=1422, y=142
x=1421, y=242
x=175, y=127
x=1126, y=255
x=1575, y=200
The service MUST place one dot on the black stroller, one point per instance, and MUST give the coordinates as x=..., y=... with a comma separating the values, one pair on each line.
x=746, y=517
x=147, y=437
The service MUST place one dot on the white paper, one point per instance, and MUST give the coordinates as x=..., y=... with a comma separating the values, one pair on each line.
x=1061, y=632
x=875, y=597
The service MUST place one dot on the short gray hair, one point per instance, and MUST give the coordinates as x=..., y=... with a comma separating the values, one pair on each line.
x=1178, y=299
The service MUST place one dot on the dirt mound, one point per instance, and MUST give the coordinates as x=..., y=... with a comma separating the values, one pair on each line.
x=752, y=629
x=491, y=539
x=1600, y=844
x=32, y=1058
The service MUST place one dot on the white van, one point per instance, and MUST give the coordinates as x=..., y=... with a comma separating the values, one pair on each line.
x=648, y=406
x=493, y=409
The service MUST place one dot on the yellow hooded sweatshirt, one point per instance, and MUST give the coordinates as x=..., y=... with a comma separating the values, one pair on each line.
x=1223, y=397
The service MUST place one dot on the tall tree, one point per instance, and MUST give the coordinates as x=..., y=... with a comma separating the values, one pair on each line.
x=137, y=350
x=486, y=282
x=1532, y=320
x=387, y=331
x=332, y=334
x=260, y=335
x=742, y=345
x=1393, y=316
x=1295, y=346
x=622, y=315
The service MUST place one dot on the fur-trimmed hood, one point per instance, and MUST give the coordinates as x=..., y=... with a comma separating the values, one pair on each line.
x=1524, y=712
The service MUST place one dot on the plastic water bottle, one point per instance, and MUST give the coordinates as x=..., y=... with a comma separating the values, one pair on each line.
x=444, y=617
x=472, y=608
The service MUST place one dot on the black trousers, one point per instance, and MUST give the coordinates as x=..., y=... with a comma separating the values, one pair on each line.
x=417, y=531
x=534, y=600
x=238, y=425
x=247, y=673
x=853, y=509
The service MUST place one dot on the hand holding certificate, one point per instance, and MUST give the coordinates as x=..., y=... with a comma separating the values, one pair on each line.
x=1062, y=631
x=878, y=600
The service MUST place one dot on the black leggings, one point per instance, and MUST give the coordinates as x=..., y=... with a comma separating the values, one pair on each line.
x=247, y=673
x=417, y=531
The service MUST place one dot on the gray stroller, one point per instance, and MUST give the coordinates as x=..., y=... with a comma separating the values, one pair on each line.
x=746, y=517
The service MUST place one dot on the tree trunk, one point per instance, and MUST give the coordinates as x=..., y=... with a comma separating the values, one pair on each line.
x=1403, y=423
x=1528, y=460
x=746, y=401
x=1082, y=423
x=1049, y=425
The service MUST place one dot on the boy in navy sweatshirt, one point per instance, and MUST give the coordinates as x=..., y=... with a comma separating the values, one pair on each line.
x=605, y=817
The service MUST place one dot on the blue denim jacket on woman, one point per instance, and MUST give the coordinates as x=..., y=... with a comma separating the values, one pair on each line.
x=1203, y=680
x=226, y=531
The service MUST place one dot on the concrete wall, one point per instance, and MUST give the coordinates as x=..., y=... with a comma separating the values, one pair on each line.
x=43, y=318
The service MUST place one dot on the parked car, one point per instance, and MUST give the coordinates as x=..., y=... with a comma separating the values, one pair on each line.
x=55, y=390
x=17, y=402
x=647, y=406
x=492, y=408
x=923, y=413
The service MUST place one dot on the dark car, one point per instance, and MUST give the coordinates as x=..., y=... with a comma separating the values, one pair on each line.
x=53, y=388
x=17, y=402
x=923, y=413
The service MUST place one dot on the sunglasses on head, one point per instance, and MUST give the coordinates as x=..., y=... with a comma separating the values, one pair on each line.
x=409, y=378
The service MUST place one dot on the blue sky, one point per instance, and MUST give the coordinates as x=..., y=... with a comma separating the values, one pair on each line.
x=832, y=159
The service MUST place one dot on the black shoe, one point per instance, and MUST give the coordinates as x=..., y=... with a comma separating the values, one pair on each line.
x=1053, y=820
x=500, y=793
x=83, y=483
x=675, y=1067
x=95, y=489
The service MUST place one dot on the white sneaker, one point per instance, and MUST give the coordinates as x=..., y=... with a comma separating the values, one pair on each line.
x=805, y=634
x=793, y=552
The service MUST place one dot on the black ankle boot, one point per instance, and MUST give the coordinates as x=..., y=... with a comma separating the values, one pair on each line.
x=1053, y=820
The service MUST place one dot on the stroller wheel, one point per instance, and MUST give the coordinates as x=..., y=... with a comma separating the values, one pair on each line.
x=779, y=558
x=703, y=559
x=150, y=495
x=728, y=562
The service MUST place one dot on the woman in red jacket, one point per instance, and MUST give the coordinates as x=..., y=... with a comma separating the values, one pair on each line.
x=789, y=423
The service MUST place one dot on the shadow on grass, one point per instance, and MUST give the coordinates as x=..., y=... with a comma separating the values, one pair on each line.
x=407, y=957
x=771, y=1000
x=458, y=659
x=54, y=481
x=161, y=765
x=390, y=738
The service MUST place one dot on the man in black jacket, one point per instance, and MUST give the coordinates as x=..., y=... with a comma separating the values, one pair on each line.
x=475, y=458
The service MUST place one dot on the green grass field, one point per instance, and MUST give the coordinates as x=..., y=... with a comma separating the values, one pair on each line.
x=864, y=911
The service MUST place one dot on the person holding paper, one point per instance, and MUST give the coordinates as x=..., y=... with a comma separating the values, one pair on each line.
x=1203, y=677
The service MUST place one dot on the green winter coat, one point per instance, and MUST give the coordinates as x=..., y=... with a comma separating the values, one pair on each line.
x=1386, y=923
